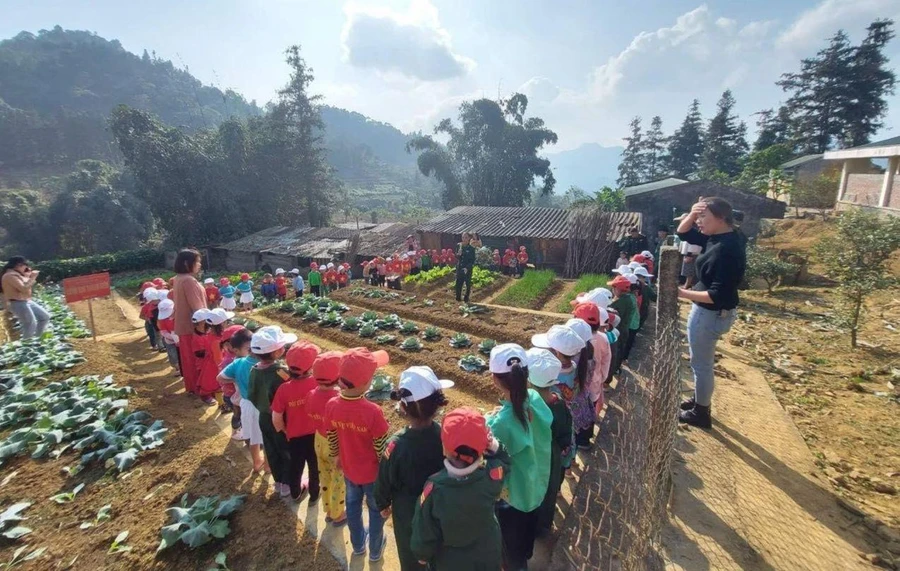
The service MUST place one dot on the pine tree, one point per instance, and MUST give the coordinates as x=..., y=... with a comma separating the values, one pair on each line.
x=725, y=143
x=820, y=96
x=774, y=129
x=653, y=151
x=871, y=79
x=686, y=145
x=631, y=169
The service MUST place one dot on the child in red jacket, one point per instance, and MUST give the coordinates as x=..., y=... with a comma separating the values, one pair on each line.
x=326, y=371
x=280, y=284
x=522, y=259
x=289, y=415
x=212, y=293
x=208, y=387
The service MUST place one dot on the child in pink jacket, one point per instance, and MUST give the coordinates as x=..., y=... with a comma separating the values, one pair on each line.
x=597, y=318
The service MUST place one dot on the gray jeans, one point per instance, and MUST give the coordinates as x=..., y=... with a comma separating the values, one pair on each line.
x=704, y=327
x=32, y=317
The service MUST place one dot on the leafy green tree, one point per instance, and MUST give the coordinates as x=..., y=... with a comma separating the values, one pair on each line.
x=856, y=256
x=686, y=144
x=765, y=265
x=819, y=192
x=97, y=214
x=24, y=221
x=491, y=158
x=632, y=168
x=871, y=80
x=725, y=143
x=774, y=128
x=757, y=172
x=606, y=199
x=654, y=151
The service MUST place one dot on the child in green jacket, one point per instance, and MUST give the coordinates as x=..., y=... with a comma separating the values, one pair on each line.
x=626, y=306
x=522, y=426
x=543, y=370
x=455, y=526
x=411, y=456
x=314, y=277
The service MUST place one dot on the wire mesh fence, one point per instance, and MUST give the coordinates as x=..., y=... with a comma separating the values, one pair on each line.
x=619, y=505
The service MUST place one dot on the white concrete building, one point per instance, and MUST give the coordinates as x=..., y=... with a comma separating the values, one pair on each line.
x=862, y=181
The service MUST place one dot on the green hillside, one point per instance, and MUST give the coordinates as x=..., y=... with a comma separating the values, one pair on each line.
x=59, y=86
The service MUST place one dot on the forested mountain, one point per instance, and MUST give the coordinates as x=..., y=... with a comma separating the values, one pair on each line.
x=58, y=88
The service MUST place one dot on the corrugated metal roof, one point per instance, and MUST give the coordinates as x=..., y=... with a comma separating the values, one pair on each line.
x=800, y=161
x=308, y=242
x=501, y=221
x=893, y=141
x=650, y=186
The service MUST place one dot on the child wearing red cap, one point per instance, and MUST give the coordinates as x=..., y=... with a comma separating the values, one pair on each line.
x=245, y=288
x=626, y=306
x=455, y=525
x=315, y=279
x=598, y=319
x=290, y=417
x=280, y=284
x=265, y=378
x=357, y=435
x=412, y=455
x=521, y=260
x=326, y=371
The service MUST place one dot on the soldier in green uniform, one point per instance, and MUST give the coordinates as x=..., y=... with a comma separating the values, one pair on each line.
x=411, y=456
x=455, y=526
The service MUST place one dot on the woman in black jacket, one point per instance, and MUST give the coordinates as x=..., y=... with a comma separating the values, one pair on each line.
x=719, y=270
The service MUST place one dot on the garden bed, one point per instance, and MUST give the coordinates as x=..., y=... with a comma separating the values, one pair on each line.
x=531, y=291
x=503, y=326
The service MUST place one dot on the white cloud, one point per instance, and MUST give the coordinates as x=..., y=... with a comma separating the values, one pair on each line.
x=539, y=90
x=815, y=26
x=411, y=43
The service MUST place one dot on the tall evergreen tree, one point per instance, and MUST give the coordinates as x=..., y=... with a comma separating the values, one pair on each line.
x=870, y=81
x=725, y=143
x=631, y=168
x=654, y=151
x=774, y=128
x=686, y=144
x=820, y=96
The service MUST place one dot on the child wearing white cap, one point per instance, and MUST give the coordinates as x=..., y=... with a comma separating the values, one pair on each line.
x=166, y=324
x=268, y=344
x=543, y=369
x=522, y=425
x=412, y=455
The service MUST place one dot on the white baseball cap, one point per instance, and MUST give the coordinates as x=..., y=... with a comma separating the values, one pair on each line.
x=581, y=327
x=642, y=271
x=295, y=271
x=504, y=356
x=166, y=308
x=150, y=293
x=647, y=254
x=632, y=278
x=270, y=338
x=279, y=271
x=543, y=367
x=218, y=316
x=624, y=269
x=634, y=266
x=421, y=382
x=200, y=315
x=162, y=294
x=601, y=296
x=330, y=265
x=209, y=281
x=559, y=338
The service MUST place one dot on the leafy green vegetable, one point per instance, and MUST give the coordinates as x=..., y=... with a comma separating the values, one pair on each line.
x=369, y=316
x=17, y=558
x=330, y=319
x=103, y=514
x=460, y=341
x=311, y=314
x=351, y=324
x=385, y=339
x=486, y=346
x=391, y=321
x=471, y=309
x=200, y=523
x=411, y=344
x=368, y=330
x=220, y=562
x=472, y=363
x=118, y=544
x=431, y=333
x=408, y=328
x=10, y=517
x=67, y=497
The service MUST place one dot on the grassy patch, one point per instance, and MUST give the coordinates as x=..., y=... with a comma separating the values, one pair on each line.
x=587, y=282
x=525, y=291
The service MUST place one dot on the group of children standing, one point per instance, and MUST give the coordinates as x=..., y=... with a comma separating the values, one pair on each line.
x=512, y=263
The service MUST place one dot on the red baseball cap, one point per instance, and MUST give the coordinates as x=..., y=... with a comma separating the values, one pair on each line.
x=301, y=356
x=589, y=312
x=464, y=427
x=641, y=259
x=327, y=367
x=230, y=331
x=620, y=282
x=158, y=282
x=358, y=365
x=145, y=285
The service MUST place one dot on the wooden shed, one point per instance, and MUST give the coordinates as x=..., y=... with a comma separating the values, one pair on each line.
x=543, y=231
x=661, y=201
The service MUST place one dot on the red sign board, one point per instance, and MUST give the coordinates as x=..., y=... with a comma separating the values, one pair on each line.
x=86, y=287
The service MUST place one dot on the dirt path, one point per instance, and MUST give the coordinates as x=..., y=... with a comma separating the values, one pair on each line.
x=743, y=496
x=552, y=304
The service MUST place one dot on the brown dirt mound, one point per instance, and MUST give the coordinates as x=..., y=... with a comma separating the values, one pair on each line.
x=797, y=236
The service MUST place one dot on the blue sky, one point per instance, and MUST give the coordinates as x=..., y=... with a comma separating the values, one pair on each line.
x=587, y=66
